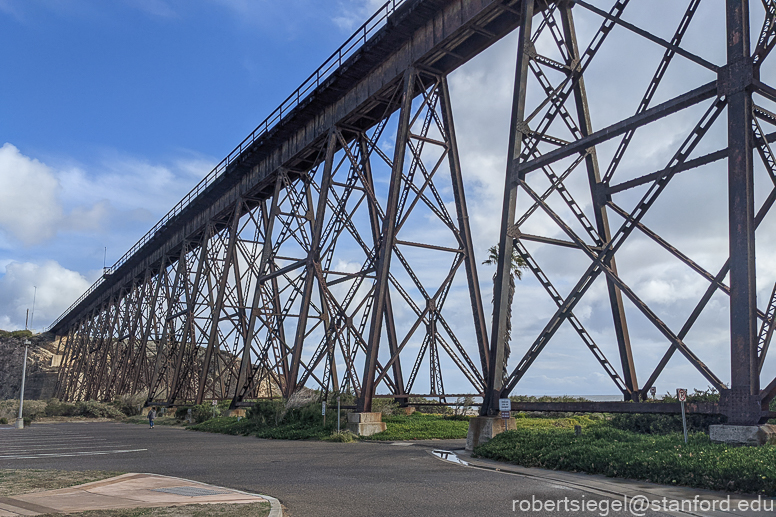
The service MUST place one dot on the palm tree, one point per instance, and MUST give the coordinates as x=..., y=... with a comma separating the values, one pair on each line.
x=515, y=270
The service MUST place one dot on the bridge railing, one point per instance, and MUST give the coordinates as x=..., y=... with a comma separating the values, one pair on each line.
x=347, y=49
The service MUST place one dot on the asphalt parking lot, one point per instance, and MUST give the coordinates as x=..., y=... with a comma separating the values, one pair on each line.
x=310, y=478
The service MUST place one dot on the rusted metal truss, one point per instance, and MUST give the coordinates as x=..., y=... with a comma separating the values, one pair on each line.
x=299, y=288
x=551, y=143
x=336, y=270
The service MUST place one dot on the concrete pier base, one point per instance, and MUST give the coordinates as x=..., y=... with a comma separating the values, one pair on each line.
x=239, y=412
x=365, y=424
x=743, y=434
x=19, y=424
x=483, y=428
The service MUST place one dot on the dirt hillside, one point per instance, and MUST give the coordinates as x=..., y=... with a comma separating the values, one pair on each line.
x=41, y=375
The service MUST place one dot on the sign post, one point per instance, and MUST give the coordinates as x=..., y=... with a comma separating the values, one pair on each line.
x=215, y=405
x=505, y=407
x=323, y=411
x=681, y=394
x=338, y=414
x=653, y=391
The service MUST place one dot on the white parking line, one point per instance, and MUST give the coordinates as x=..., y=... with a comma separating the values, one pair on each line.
x=33, y=443
x=44, y=447
x=62, y=455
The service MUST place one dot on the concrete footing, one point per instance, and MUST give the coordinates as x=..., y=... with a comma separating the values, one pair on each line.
x=743, y=434
x=483, y=428
x=19, y=423
x=239, y=412
x=365, y=424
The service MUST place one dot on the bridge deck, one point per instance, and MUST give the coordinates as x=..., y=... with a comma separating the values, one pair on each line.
x=438, y=35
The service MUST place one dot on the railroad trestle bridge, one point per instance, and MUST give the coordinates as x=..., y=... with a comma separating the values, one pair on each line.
x=332, y=248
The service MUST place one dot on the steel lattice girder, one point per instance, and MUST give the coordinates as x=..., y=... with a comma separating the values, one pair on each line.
x=559, y=132
x=246, y=299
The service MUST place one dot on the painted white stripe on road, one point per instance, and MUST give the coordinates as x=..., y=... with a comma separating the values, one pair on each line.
x=58, y=447
x=62, y=455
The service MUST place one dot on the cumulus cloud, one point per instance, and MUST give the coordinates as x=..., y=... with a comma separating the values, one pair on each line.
x=38, y=201
x=29, y=197
x=57, y=288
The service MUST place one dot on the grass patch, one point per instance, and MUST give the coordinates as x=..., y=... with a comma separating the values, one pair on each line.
x=190, y=510
x=664, y=459
x=253, y=427
x=422, y=426
x=25, y=481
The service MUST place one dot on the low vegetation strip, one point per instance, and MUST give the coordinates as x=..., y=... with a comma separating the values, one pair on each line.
x=189, y=510
x=253, y=427
x=421, y=426
x=25, y=481
x=602, y=449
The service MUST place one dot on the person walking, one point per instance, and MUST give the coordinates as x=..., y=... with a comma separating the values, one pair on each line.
x=151, y=416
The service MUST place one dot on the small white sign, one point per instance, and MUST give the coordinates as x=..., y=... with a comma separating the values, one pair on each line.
x=504, y=405
x=214, y=402
x=681, y=395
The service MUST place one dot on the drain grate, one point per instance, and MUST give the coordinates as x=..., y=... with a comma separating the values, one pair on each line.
x=191, y=491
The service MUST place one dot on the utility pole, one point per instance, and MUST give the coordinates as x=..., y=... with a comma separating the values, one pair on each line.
x=20, y=420
x=34, y=296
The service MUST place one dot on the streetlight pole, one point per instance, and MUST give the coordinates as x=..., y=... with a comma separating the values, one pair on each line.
x=20, y=420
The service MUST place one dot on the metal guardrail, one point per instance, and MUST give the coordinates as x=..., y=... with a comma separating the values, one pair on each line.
x=347, y=49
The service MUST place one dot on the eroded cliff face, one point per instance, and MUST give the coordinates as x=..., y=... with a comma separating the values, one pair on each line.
x=41, y=375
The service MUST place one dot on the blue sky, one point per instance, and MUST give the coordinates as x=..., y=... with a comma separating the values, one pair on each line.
x=111, y=111
x=116, y=109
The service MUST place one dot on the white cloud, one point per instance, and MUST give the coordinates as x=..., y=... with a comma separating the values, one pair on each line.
x=57, y=288
x=38, y=202
x=29, y=197
x=353, y=13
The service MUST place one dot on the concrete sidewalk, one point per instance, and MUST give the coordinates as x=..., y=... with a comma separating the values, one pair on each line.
x=129, y=491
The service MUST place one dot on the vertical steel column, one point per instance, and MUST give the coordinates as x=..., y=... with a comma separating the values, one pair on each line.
x=501, y=307
x=140, y=357
x=374, y=223
x=219, y=305
x=741, y=401
x=159, y=366
x=480, y=329
x=188, y=326
x=388, y=233
x=246, y=363
x=598, y=192
x=313, y=257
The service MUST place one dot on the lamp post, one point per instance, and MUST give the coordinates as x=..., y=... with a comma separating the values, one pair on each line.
x=20, y=420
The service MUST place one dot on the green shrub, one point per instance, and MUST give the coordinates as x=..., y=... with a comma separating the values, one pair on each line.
x=601, y=449
x=648, y=423
x=181, y=412
x=58, y=408
x=4, y=421
x=19, y=334
x=33, y=409
x=94, y=409
x=385, y=406
x=130, y=405
x=267, y=412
